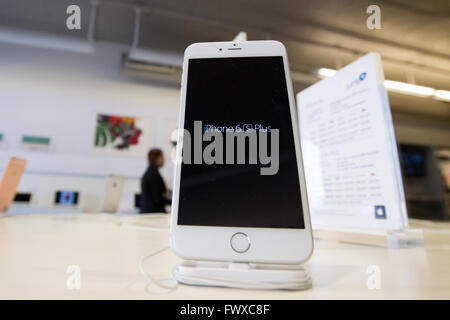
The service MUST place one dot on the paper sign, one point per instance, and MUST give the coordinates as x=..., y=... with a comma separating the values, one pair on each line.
x=349, y=150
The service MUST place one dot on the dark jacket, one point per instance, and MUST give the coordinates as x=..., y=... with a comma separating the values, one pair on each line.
x=153, y=192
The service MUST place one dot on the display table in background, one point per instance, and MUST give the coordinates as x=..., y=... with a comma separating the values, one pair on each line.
x=36, y=251
x=26, y=209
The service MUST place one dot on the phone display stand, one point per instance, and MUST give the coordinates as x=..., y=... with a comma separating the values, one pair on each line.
x=242, y=275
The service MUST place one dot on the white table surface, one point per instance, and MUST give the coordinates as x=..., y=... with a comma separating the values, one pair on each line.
x=36, y=250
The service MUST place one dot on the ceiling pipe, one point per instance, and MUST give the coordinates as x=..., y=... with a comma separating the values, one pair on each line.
x=148, y=55
x=92, y=20
x=296, y=39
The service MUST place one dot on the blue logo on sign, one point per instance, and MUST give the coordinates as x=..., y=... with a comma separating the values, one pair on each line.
x=357, y=81
x=362, y=76
x=380, y=212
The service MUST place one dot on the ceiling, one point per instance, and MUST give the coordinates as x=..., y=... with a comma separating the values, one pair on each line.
x=414, y=41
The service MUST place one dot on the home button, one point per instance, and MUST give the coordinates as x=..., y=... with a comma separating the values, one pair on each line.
x=240, y=242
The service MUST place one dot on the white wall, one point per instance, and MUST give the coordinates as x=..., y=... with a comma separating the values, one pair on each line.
x=58, y=94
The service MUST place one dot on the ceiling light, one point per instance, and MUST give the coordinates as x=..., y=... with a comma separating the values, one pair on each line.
x=443, y=95
x=325, y=72
x=397, y=86
x=408, y=88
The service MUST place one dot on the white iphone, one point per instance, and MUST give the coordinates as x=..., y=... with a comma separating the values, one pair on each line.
x=239, y=190
x=113, y=193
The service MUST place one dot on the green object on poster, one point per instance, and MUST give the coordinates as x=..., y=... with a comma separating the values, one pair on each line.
x=1, y=136
x=36, y=140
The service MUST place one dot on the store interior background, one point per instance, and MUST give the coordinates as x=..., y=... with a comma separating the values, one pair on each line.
x=54, y=81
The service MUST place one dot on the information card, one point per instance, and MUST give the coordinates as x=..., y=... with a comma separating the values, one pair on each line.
x=349, y=150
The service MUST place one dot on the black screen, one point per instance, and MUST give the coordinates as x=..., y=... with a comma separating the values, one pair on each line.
x=413, y=158
x=22, y=197
x=248, y=92
x=137, y=200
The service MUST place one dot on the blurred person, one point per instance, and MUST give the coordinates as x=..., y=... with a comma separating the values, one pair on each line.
x=154, y=193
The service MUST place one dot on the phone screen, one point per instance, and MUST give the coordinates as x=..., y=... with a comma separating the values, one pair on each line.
x=248, y=177
x=66, y=197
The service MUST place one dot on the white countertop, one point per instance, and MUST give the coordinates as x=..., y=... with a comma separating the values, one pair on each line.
x=36, y=250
